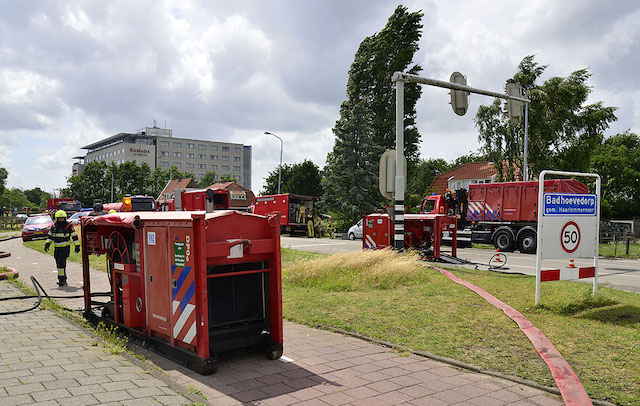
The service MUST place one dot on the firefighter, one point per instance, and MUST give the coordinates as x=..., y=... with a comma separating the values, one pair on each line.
x=309, y=226
x=61, y=235
x=302, y=213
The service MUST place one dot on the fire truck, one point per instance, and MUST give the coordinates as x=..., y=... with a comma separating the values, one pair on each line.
x=503, y=214
x=69, y=205
x=197, y=199
x=131, y=203
x=294, y=211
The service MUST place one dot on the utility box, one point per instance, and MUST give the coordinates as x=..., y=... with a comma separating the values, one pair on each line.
x=190, y=283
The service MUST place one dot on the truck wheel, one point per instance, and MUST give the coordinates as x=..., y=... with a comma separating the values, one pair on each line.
x=352, y=236
x=503, y=240
x=527, y=243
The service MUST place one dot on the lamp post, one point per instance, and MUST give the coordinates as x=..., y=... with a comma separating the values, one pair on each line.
x=279, y=167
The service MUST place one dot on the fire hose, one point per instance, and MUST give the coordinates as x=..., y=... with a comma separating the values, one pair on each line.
x=41, y=293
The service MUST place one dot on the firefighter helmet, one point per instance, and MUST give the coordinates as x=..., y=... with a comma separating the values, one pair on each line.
x=61, y=214
x=112, y=211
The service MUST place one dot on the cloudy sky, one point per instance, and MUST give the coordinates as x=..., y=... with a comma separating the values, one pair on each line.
x=74, y=72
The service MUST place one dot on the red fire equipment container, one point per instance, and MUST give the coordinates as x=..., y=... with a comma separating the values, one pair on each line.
x=189, y=283
x=421, y=231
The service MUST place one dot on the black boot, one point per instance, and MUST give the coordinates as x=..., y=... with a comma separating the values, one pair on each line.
x=62, y=281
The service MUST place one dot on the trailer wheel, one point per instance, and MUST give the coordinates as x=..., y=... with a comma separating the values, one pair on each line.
x=503, y=240
x=527, y=243
x=274, y=354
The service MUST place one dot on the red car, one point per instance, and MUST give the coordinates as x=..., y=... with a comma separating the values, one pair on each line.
x=36, y=227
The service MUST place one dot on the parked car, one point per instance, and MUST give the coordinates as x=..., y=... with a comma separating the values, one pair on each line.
x=21, y=216
x=355, y=231
x=75, y=218
x=36, y=227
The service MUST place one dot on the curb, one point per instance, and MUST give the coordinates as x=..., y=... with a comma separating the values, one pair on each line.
x=455, y=363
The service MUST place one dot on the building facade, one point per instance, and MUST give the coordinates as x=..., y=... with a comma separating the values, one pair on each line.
x=159, y=149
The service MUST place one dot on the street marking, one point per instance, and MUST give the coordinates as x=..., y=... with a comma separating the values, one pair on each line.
x=317, y=245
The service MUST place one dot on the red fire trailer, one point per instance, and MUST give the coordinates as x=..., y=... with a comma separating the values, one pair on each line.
x=197, y=199
x=294, y=210
x=421, y=231
x=189, y=283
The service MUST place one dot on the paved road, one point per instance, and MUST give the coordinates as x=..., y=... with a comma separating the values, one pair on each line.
x=621, y=274
x=319, y=367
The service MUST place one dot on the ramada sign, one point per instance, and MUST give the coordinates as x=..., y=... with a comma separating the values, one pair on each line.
x=138, y=151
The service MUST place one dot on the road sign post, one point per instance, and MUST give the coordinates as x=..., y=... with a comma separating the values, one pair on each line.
x=568, y=227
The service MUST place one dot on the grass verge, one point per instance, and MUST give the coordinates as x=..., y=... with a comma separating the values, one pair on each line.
x=394, y=298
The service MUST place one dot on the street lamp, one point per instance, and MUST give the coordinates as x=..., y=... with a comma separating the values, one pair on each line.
x=279, y=167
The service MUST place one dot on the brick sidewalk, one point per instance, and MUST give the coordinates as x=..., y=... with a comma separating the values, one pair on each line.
x=47, y=360
x=320, y=368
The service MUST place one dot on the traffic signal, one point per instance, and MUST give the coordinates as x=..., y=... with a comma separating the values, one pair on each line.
x=459, y=98
x=514, y=107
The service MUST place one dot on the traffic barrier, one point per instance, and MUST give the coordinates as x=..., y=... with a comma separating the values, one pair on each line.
x=572, y=264
x=567, y=274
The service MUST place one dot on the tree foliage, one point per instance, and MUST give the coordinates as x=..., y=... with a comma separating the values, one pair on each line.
x=563, y=130
x=128, y=178
x=300, y=178
x=271, y=181
x=366, y=126
x=617, y=161
x=208, y=179
x=228, y=178
x=3, y=180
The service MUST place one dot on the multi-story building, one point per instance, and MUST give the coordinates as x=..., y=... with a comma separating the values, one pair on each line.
x=159, y=149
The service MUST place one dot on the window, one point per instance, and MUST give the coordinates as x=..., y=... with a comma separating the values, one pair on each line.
x=214, y=148
x=122, y=151
x=177, y=145
x=177, y=154
x=225, y=157
x=236, y=159
x=202, y=166
x=202, y=156
x=236, y=168
x=214, y=157
x=164, y=163
x=164, y=143
x=236, y=149
x=190, y=156
x=177, y=164
x=190, y=145
x=164, y=153
x=225, y=149
x=201, y=175
x=202, y=147
x=190, y=165
x=225, y=167
x=214, y=167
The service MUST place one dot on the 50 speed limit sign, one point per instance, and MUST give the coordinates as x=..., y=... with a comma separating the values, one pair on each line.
x=570, y=237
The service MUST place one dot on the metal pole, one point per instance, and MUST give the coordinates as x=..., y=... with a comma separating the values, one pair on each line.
x=279, y=167
x=595, y=258
x=112, y=186
x=526, y=141
x=398, y=220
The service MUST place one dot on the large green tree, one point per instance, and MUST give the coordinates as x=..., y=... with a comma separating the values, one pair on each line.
x=617, y=161
x=3, y=180
x=271, y=181
x=366, y=126
x=563, y=130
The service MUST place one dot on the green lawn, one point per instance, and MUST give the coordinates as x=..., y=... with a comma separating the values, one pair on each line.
x=421, y=309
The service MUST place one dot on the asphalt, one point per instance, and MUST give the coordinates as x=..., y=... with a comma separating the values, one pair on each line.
x=48, y=360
